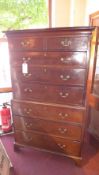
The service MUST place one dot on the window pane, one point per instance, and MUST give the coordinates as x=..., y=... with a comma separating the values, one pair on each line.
x=5, y=78
x=23, y=14
x=5, y=97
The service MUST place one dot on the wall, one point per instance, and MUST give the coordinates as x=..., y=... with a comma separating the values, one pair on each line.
x=92, y=6
x=72, y=12
x=60, y=13
x=79, y=12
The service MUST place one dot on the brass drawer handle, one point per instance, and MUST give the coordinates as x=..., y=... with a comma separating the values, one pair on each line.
x=45, y=54
x=27, y=75
x=25, y=43
x=65, y=78
x=28, y=139
x=63, y=95
x=27, y=90
x=28, y=111
x=61, y=145
x=45, y=87
x=63, y=116
x=62, y=130
x=28, y=124
x=26, y=59
x=45, y=70
x=66, y=43
x=65, y=60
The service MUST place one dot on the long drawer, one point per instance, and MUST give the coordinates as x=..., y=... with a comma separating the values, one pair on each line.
x=49, y=58
x=47, y=142
x=48, y=127
x=48, y=112
x=50, y=74
x=48, y=93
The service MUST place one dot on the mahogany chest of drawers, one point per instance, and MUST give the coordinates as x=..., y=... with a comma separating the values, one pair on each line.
x=49, y=69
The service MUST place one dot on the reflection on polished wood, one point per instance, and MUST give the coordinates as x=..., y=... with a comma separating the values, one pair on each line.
x=96, y=77
x=92, y=89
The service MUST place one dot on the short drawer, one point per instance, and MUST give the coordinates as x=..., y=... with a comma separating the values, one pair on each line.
x=48, y=127
x=26, y=43
x=47, y=142
x=49, y=93
x=50, y=74
x=48, y=112
x=75, y=43
x=49, y=58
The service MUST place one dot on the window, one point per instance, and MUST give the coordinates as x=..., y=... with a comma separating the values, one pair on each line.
x=15, y=14
x=5, y=79
x=24, y=14
x=11, y=18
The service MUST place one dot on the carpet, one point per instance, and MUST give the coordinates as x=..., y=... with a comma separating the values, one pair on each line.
x=5, y=163
x=28, y=161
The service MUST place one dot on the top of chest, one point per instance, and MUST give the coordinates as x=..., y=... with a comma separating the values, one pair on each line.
x=52, y=39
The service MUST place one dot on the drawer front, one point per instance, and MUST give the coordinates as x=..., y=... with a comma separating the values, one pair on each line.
x=49, y=58
x=59, y=75
x=50, y=143
x=48, y=112
x=26, y=43
x=68, y=43
x=48, y=127
x=49, y=93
